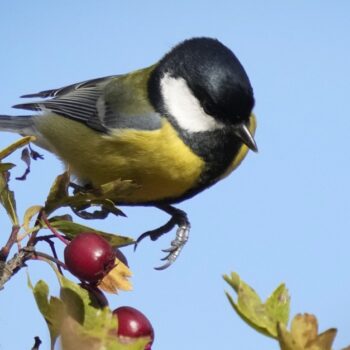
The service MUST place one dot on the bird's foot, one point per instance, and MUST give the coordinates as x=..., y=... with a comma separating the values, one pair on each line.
x=177, y=244
x=178, y=218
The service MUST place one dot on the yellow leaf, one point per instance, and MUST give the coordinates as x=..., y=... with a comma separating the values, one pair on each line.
x=304, y=328
x=16, y=145
x=324, y=340
x=304, y=335
x=117, y=279
x=28, y=215
x=286, y=340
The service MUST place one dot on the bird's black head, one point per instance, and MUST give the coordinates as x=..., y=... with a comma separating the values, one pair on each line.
x=214, y=76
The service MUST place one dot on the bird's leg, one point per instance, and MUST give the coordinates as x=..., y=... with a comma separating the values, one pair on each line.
x=178, y=218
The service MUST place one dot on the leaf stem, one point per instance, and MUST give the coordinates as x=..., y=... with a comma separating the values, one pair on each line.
x=56, y=233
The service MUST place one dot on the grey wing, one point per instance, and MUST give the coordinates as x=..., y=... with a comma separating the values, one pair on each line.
x=77, y=101
x=69, y=88
x=84, y=102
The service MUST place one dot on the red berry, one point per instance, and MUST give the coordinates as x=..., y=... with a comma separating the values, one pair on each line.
x=89, y=257
x=133, y=324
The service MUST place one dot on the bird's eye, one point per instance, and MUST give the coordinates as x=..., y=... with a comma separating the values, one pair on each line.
x=208, y=108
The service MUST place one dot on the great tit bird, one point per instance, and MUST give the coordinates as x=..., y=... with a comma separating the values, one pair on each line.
x=174, y=128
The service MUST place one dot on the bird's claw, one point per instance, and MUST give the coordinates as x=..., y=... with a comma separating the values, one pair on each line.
x=139, y=239
x=155, y=234
x=179, y=218
x=177, y=245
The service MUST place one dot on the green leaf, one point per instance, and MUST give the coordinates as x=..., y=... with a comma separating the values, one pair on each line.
x=77, y=321
x=249, y=306
x=77, y=299
x=116, y=189
x=7, y=199
x=74, y=336
x=278, y=305
x=3, y=181
x=72, y=229
x=58, y=193
x=104, y=196
x=88, y=327
x=74, y=304
x=263, y=317
x=51, y=308
x=6, y=167
x=16, y=145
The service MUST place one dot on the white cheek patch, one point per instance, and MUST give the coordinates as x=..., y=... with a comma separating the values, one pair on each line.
x=185, y=107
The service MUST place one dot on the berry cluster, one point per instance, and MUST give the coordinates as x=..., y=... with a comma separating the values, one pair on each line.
x=90, y=258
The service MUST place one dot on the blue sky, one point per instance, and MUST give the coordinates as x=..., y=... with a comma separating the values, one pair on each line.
x=283, y=216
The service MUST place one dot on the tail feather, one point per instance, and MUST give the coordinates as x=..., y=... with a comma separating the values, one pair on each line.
x=18, y=124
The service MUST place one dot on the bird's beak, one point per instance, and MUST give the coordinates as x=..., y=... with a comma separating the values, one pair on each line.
x=245, y=135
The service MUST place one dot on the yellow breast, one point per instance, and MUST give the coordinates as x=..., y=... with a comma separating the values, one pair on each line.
x=156, y=160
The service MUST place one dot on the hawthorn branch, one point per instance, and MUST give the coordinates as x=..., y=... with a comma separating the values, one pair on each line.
x=5, y=250
x=12, y=266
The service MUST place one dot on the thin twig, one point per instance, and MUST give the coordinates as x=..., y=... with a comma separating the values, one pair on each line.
x=48, y=240
x=53, y=249
x=45, y=237
x=55, y=232
x=49, y=257
x=21, y=237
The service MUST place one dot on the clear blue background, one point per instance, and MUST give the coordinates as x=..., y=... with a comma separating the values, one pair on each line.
x=283, y=216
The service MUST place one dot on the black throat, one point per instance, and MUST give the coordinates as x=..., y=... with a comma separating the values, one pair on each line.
x=218, y=148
